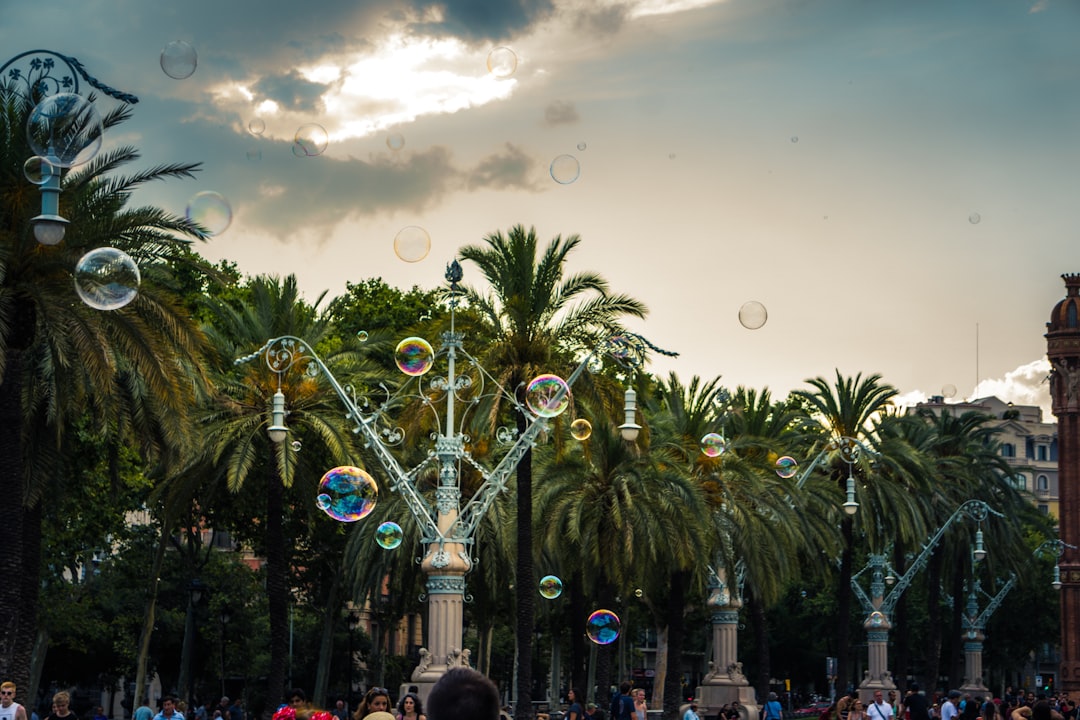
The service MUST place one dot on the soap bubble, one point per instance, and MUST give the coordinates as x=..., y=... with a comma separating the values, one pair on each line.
x=395, y=141
x=297, y=445
x=602, y=627
x=388, y=535
x=210, y=210
x=412, y=243
x=414, y=356
x=38, y=170
x=547, y=395
x=257, y=126
x=786, y=467
x=502, y=62
x=713, y=444
x=66, y=129
x=974, y=218
x=581, y=146
x=311, y=139
x=178, y=60
x=619, y=347
x=362, y=335
x=550, y=587
x=565, y=169
x=876, y=619
x=638, y=592
x=949, y=391
x=581, y=429
x=106, y=278
x=347, y=493
x=753, y=315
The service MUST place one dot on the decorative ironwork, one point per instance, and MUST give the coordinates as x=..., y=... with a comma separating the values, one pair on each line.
x=41, y=79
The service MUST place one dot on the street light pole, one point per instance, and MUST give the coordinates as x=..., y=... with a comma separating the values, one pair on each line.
x=352, y=620
x=448, y=527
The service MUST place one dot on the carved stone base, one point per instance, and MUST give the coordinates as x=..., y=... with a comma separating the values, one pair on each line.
x=869, y=686
x=720, y=691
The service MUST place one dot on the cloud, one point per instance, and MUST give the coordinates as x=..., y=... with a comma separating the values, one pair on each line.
x=512, y=168
x=602, y=21
x=561, y=112
x=1038, y=7
x=1026, y=385
x=291, y=91
x=476, y=20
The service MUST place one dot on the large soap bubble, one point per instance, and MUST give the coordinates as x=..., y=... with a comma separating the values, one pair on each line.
x=713, y=444
x=786, y=467
x=753, y=315
x=581, y=429
x=66, y=129
x=388, y=535
x=414, y=356
x=179, y=60
x=38, y=170
x=347, y=493
x=106, y=278
x=310, y=140
x=602, y=627
x=547, y=395
x=210, y=210
x=565, y=169
x=502, y=62
x=412, y=243
x=550, y=587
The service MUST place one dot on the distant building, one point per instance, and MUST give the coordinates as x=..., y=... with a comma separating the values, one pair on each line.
x=1027, y=443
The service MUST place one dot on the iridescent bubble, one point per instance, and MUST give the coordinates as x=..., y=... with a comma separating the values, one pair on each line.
x=638, y=592
x=347, y=493
x=565, y=169
x=210, y=210
x=412, y=243
x=550, y=587
x=179, y=60
x=786, y=467
x=395, y=141
x=581, y=146
x=38, y=170
x=502, y=62
x=547, y=395
x=974, y=218
x=949, y=391
x=362, y=335
x=581, y=429
x=312, y=139
x=106, y=278
x=602, y=627
x=257, y=126
x=414, y=356
x=753, y=315
x=65, y=128
x=876, y=619
x=388, y=535
x=297, y=445
x=713, y=444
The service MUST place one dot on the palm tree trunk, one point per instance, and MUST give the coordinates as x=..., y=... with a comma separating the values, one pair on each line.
x=277, y=591
x=12, y=514
x=326, y=642
x=759, y=623
x=676, y=627
x=579, y=655
x=933, y=608
x=524, y=583
x=148, y=620
x=843, y=605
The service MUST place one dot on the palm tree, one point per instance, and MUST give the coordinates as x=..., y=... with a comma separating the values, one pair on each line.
x=536, y=318
x=132, y=369
x=849, y=409
x=237, y=442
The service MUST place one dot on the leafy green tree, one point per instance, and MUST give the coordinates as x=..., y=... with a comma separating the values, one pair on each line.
x=537, y=318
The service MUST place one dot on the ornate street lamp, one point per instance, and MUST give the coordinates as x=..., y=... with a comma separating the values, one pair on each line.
x=447, y=526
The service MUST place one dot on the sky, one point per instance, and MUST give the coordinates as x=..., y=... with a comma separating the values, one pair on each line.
x=894, y=182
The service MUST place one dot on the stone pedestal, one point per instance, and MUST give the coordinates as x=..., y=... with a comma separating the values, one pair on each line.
x=877, y=677
x=973, y=680
x=725, y=682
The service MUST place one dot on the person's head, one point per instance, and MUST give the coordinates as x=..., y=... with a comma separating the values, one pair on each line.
x=224, y=702
x=1040, y=710
x=463, y=694
x=625, y=686
x=168, y=705
x=61, y=701
x=858, y=704
x=574, y=695
x=340, y=704
x=590, y=708
x=409, y=704
x=297, y=698
x=878, y=696
x=693, y=706
x=639, y=694
x=772, y=696
x=7, y=693
x=913, y=687
x=376, y=699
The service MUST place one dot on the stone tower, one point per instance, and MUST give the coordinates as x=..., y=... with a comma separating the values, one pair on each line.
x=1063, y=350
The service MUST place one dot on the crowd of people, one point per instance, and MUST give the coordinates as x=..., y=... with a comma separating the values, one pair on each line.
x=914, y=704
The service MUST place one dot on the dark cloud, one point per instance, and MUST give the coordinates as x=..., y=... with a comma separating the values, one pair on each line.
x=561, y=112
x=601, y=21
x=476, y=20
x=291, y=91
x=511, y=168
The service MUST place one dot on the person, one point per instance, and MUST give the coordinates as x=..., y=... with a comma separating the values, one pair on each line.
x=857, y=711
x=734, y=713
x=376, y=699
x=297, y=698
x=61, y=707
x=691, y=712
x=99, y=713
x=9, y=709
x=168, y=709
x=845, y=704
x=622, y=706
x=989, y=711
x=593, y=713
x=340, y=712
x=773, y=710
x=948, y=708
x=410, y=708
x=576, y=711
x=143, y=712
x=918, y=707
x=463, y=694
x=879, y=709
x=641, y=708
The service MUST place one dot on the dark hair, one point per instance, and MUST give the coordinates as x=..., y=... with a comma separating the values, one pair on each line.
x=1040, y=710
x=416, y=704
x=624, y=688
x=296, y=693
x=463, y=694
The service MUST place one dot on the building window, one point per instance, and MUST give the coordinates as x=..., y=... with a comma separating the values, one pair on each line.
x=1041, y=453
x=1070, y=315
x=1021, y=482
x=1042, y=484
x=1044, y=509
x=1008, y=450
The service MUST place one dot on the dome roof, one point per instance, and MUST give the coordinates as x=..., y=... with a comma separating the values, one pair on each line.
x=1066, y=314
